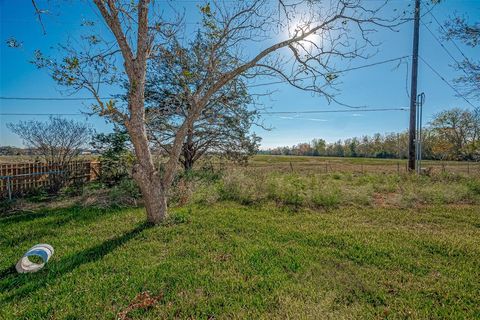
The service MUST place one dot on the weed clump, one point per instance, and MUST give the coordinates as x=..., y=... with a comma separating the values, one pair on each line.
x=474, y=186
x=326, y=200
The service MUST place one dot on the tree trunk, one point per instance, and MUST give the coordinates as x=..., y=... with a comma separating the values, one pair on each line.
x=188, y=151
x=154, y=192
x=155, y=200
x=188, y=164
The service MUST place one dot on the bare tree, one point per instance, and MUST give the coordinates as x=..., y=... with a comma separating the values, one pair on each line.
x=57, y=140
x=313, y=37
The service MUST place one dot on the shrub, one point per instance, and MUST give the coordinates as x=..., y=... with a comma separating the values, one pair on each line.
x=190, y=183
x=38, y=195
x=73, y=189
x=6, y=206
x=272, y=187
x=359, y=195
x=207, y=173
x=236, y=186
x=126, y=193
x=205, y=194
x=388, y=184
x=337, y=176
x=474, y=186
x=176, y=218
x=289, y=190
x=116, y=159
x=291, y=196
x=326, y=200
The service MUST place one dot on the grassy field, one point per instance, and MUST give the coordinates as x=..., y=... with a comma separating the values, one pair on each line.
x=261, y=159
x=231, y=261
x=262, y=241
x=337, y=164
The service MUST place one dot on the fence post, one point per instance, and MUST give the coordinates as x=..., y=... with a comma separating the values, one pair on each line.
x=398, y=168
x=9, y=188
x=468, y=168
x=93, y=170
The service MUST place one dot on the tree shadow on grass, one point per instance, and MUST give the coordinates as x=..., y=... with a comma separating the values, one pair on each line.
x=25, y=284
x=44, y=227
x=64, y=215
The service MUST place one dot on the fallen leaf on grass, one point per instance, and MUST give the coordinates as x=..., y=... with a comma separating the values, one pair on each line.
x=143, y=300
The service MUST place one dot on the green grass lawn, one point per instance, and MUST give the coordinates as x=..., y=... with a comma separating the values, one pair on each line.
x=230, y=261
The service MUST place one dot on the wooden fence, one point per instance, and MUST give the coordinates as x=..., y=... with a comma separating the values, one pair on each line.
x=17, y=179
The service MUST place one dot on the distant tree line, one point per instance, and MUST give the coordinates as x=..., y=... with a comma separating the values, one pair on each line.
x=452, y=135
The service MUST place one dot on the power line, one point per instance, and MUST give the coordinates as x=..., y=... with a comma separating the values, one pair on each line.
x=43, y=114
x=340, y=71
x=431, y=9
x=73, y=23
x=448, y=83
x=264, y=113
x=454, y=43
x=249, y=86
x=51, y=98
x=334, y=111
x=444, y=48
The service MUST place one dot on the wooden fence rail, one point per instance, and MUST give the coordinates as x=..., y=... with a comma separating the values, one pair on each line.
x=17, y=179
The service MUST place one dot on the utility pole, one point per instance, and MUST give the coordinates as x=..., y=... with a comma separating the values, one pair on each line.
x=420, y=101
x=413, y=90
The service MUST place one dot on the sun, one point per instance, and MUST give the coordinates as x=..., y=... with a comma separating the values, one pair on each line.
x=300, y=27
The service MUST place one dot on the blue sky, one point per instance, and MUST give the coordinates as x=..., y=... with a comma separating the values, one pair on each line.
x=382, y=86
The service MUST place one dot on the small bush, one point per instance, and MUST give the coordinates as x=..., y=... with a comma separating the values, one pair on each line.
x=326, y=200
x=291, y=196
x=287, y=189
x=6, y=206
x=116, y=159
x=205, y=194
x=448, y=177
x=38, y=195
x=188, y=183
x=359, y=195
x=126, y=193
x=74, y=189
x=176, y=218
x=235, y=186
x=208, y=173
x=94, y=185
x=474, y=186
x=337, y=176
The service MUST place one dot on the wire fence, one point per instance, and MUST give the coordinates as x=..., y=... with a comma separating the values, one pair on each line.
x=18, y=179
x=392, y=167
